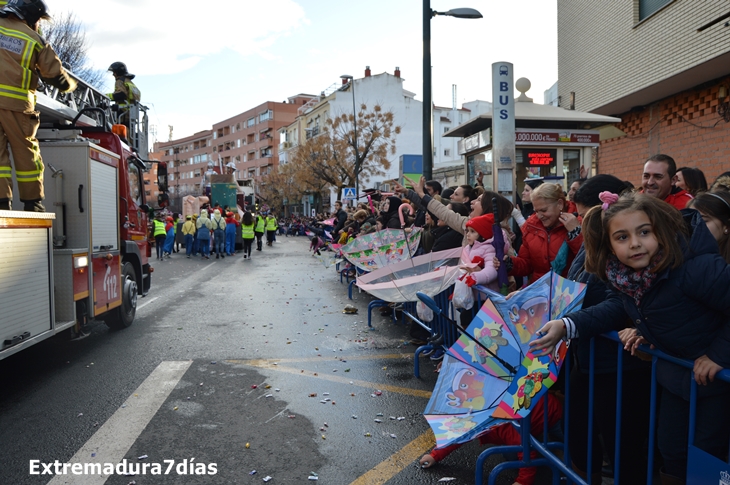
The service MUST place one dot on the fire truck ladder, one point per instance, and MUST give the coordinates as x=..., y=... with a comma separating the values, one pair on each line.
x=62, y=109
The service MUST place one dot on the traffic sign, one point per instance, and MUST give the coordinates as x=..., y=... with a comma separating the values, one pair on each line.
x=348, y=193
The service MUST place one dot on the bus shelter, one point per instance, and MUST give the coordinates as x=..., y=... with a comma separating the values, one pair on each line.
x=550, y=142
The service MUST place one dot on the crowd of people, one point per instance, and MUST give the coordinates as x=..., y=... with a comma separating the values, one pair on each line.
x=213, y=231
x=655, y=259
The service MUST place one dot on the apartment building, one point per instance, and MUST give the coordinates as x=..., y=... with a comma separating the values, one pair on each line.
x=249, y=140
x=662, y=66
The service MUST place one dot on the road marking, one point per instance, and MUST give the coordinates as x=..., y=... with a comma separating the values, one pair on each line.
x=341, y=380
x=139, y=307
x=398, y=461
x=270, y=362
x=119, y=433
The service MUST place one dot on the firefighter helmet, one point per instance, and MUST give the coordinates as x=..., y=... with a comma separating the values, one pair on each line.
x=29, y=10
x=120, y=69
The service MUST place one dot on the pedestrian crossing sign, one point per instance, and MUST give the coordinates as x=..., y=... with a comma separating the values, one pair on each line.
x=348, y=193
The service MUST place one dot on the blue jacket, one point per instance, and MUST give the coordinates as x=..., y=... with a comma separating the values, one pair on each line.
x=686, y=312
x=605, y=351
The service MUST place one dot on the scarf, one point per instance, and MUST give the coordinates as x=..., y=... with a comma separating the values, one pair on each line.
x=629, y=281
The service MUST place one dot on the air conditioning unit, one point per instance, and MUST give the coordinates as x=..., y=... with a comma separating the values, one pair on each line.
x=286, y=145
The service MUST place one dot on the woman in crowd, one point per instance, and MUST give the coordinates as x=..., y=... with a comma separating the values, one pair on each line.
x=550, y=237
x=389, y=218
x=715, y=211
x=530, y=185
x=691, y=180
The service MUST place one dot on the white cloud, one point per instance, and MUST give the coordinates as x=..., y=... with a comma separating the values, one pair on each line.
x=160, y=37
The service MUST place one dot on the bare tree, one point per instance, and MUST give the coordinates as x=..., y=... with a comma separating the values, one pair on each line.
x=68, y=38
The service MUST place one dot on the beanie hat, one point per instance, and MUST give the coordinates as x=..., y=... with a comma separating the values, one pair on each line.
x=482, y=225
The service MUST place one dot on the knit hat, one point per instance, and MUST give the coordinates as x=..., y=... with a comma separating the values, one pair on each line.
x=534, y=182
x=482, y=225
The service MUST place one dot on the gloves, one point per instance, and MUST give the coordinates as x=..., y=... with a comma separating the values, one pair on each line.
x=517, y=215
x=478, y=260
x=470, y=281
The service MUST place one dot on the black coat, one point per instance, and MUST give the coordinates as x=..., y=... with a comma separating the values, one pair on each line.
x=605, y=351
x=446, y=238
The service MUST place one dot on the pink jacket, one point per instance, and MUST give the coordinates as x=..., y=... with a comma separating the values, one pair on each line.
x=487, y=276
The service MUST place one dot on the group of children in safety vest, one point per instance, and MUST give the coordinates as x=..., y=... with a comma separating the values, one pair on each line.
x=214, y=232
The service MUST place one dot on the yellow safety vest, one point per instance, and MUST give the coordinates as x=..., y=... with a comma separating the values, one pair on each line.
x=271, y=224
x=260, y=224
x=159, y=228
x=247, y=231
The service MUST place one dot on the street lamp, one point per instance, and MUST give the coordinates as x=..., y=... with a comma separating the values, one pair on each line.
x=428, y=14
x=354, y=129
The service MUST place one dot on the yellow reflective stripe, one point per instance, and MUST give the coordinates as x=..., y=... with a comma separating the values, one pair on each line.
x=12, y=88
x=32, y=172
x=15, y=93
x=5, y=172
x=30, y=45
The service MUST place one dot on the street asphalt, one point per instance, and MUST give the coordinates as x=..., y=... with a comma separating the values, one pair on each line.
x=248, y=367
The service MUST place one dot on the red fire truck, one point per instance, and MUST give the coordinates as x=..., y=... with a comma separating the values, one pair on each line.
x=87, y=257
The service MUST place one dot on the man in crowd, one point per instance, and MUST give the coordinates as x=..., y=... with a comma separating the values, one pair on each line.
x=340, y=216
x=658, y=181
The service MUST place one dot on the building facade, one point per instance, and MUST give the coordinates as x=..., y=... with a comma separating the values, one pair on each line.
x=662, y=66
x=249, y=141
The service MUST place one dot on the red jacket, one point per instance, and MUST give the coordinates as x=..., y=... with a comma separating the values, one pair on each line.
x=679, y=198
x=539, y=248
x=232, y=220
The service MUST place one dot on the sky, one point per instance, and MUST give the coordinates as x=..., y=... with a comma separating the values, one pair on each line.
x=200, y=62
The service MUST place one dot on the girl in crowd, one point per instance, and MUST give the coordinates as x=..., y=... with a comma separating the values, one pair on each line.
x=670, y=281
x=636, y=375
x=691, y=180
x=480, y=234
x=550, y=237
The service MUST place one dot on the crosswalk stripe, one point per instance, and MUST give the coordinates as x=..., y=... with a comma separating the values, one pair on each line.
x=115, y=437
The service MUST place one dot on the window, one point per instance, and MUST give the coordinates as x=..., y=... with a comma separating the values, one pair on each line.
x=266, y=115
x=649, y=7
x=251, y=122
x=447, y=152
x=446, y=128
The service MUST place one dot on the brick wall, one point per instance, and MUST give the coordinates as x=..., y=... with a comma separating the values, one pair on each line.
x=604, y=53
x=680, y=126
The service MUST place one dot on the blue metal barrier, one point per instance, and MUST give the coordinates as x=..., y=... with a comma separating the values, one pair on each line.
x=698, y=460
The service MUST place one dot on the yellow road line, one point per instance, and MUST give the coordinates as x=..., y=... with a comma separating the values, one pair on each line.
x=398, y=461
x=342, y=380
x=271, y=362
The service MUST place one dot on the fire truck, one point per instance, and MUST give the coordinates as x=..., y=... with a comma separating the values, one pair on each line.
x=87, y=257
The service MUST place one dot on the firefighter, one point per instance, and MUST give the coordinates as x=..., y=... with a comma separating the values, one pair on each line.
x=24, y=57
x=125, y=93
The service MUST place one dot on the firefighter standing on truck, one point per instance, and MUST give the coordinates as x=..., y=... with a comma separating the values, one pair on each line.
x=24, y=56
x=126, y=93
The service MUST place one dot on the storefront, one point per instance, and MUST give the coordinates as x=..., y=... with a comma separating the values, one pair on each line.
x=550, y=142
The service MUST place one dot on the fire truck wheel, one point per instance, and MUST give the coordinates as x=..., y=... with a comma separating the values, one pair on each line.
x=123, y=316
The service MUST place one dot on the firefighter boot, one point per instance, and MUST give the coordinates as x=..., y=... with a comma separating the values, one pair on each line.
x=34, y=206
x=6, y=205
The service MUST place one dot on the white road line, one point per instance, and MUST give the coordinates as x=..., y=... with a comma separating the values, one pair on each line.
x=139, y=307
x=119, y=433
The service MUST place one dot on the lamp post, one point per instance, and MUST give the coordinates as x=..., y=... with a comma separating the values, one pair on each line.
x=354, y=129
x=428, y=14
